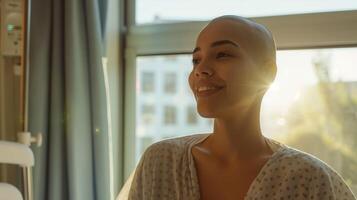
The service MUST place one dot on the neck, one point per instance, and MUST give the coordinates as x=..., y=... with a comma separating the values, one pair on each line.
x=239, y=136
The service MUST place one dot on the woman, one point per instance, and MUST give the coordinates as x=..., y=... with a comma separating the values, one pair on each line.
x=233, y=65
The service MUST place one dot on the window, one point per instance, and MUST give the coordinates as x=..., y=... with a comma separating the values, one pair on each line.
x=148, y=114
x=170, y=82
x=312, y=105
x=187, y=86
x=191, y=114
x=296, y=108
x=163, y=11
x=148, y=82
x=170, y=115
x=173, y=115
x=144, y=142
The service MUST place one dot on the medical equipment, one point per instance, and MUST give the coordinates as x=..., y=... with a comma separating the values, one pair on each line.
x=18, y=154
x=11, y=27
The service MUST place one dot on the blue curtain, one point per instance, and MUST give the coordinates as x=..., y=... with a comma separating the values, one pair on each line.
x=67, y=100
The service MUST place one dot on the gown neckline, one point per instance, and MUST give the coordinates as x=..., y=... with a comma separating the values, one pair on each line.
x=271, y=142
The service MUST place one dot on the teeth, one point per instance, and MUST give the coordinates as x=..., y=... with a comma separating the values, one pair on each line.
x=205, y=88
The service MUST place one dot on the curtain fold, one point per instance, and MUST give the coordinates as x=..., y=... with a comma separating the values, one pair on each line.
x=68, y=101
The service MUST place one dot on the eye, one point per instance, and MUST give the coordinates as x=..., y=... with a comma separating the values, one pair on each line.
x=195, y=61
x=222, y=55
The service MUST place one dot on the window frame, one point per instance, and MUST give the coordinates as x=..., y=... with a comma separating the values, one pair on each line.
x=298, y=31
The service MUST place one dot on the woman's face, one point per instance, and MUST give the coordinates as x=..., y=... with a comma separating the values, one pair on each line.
x=224, y=74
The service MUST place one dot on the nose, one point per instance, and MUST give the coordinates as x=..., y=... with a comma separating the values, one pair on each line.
x=203, y=70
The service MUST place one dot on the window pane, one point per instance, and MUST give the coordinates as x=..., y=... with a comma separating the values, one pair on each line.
x=148, y=114
x=170, y=82
x=191, y=114
x=170, y=115
x=148, y=82
x=312, y=105
x=163, y=11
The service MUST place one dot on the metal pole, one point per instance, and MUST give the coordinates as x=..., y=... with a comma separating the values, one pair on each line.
x=27, y=171
x=27, y=181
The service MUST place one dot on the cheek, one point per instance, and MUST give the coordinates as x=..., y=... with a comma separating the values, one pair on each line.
x=235, y=75
x=238, y=82
x=190, y=80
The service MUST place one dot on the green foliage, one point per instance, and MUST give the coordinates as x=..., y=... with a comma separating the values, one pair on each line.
x=324, y=122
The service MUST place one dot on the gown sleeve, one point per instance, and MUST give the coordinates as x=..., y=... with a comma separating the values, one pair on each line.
x=124, y=192
x=139, y=184
x=133, y=187
x=328, y=184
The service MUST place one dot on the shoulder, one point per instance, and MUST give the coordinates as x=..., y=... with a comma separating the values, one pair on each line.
x=172, y=146
x=301, y=159
x=163, y=164
x=295, y=160
x=167, y=153
x=313, y=173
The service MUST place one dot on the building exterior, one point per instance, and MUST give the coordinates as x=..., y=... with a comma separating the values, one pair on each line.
x=165, y=106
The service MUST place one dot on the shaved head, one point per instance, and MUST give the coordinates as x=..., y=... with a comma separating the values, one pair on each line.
x=261, y=37
x=254, y=38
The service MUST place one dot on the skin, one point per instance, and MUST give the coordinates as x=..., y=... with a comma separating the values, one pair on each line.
x=242, y=66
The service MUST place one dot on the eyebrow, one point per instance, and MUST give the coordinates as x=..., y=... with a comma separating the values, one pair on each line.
x=217, y=43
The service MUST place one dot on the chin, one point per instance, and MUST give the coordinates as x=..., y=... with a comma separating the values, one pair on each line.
x=206, y=115
x=206, y=112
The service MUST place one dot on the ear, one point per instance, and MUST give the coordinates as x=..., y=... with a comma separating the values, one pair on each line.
x=274, y=70
x=270, y=71
x=266, y=75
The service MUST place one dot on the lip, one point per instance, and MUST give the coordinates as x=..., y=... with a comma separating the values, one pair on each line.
x=208, y=93
x=217, y=85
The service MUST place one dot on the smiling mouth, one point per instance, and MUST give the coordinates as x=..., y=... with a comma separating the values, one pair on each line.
x=206, y=91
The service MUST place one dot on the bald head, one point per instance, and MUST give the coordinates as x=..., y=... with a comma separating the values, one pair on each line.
x=254, y=39
x=260, y=38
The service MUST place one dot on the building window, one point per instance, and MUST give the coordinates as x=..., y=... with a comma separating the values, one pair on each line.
x=148, y=114
x=170, y=115
x=148, y=82
x=170, y=82
x=191, y=115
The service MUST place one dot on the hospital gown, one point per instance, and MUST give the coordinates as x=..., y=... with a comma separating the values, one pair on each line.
x=167, y=171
